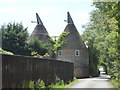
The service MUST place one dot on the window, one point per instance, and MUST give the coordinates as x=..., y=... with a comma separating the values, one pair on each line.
x=59, y=53
x=77, y=53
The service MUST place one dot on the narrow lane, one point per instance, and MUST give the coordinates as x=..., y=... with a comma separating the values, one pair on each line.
x=97, y=82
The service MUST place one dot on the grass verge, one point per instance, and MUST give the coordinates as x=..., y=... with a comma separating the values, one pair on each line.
x=61, y=84
x=40, y=84
x=71, y=83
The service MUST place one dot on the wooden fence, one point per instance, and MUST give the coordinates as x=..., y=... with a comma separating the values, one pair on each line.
x=18, y=69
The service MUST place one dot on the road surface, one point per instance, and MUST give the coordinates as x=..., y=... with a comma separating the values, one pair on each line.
x=97, y=82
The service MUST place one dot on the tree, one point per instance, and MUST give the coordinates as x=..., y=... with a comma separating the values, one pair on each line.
x=14, y=37
x=37, y=46
x=112, y=11
x=55, y=45
x=102, y=36
x=60, y=42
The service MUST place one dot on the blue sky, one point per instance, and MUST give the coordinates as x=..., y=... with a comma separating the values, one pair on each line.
x=52, y=13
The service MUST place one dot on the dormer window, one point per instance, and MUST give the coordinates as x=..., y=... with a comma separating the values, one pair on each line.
x=59, y=53
x=77, y=52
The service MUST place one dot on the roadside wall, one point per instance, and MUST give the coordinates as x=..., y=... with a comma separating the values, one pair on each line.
x=17, y=69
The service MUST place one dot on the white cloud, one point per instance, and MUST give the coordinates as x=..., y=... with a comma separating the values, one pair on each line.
x=8, y=9
x=85, y=21
x=8, y=1
x=47, y=11
x=73, y=0
x=81, y=15
x=59, y=1
x=42, y=11
x=28, y=11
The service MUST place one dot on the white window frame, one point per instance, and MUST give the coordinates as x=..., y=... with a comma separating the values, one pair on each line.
x=59, y=53
x=77, y=52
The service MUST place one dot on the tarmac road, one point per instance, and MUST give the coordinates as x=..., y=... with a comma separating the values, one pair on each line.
x=97, y=82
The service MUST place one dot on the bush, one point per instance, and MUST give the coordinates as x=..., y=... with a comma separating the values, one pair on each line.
x=37, y=47
x=5, y=52
x=40, y=84
x=115, y=83
x=31, y=85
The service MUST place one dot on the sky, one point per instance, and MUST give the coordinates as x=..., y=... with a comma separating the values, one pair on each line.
x=52, y=13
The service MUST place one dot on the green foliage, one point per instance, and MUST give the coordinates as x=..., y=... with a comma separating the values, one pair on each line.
x=115, y=83
x=50, y=47
x=35, y=54
x=5, y=52
x=102, y=37
x=40, y=84
x=31, y=85
x=14, y=38
x=47, y=50
x=60, y=42
x=36, y=45
x=71, y=82
x=62, y=84
x=25, y=84
x=51, y=41
x=59, y=84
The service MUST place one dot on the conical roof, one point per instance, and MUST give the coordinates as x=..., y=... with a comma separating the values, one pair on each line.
x=74, y=40
x=39, y=31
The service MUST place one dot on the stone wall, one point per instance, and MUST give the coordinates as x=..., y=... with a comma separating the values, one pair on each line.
x=81, y=63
